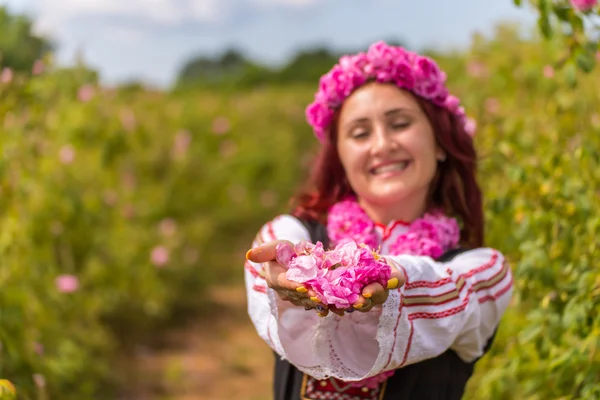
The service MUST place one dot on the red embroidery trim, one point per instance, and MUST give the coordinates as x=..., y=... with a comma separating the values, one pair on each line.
x=259, y=288
x=334, y=389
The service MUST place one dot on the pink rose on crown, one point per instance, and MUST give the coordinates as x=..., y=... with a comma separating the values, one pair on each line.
x=345, y=82
x=430, y=79
x=382, y=57
x=404, y=77
x=385, y=64
x=355, y=63
x=452, y=103
x=319, y=116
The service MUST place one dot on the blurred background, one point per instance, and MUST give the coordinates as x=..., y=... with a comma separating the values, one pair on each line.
x=144, y=143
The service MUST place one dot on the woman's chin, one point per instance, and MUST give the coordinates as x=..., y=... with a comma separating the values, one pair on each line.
x=387, y=194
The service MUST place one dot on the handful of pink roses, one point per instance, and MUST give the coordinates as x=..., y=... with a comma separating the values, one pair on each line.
x=337, y=276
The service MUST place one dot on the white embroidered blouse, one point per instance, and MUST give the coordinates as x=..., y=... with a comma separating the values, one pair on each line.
x=453, y=305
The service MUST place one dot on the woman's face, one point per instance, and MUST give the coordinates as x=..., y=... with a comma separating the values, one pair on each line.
x=387, y=145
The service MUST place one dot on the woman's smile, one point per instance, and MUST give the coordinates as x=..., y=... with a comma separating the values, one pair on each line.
x=389, y=169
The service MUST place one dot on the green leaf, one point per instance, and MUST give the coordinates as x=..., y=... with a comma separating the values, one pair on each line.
x=517, y=3
x=563, y=12
x=544, y=26
x=591, y=47
x=586, y=60
x=571, y=74
x=577, y=24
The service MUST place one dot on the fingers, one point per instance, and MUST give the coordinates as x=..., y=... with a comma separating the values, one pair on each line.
x=363, y=304
x=275, y=275
x=305, y=302
x=376, y=293
x=264, y=253
x=396, y=274
x=294, y=292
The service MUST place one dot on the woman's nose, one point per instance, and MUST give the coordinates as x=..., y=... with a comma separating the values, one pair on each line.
x=382, y=140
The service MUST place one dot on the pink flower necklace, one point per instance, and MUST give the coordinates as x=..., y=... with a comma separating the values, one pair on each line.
x=432, y=235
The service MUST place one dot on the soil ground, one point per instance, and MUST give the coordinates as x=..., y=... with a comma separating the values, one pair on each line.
x=218, y=357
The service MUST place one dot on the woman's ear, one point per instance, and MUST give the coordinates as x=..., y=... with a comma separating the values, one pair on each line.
x=440, y=155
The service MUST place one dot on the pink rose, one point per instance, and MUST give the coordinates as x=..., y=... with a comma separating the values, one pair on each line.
x=66, y=154
x=86, y=93
x=284, y=253
x=303, y=269
x=349, y=255
x=319, y=117
x=159, y=256
x=6, y=75
x=583, y=5
x=67, y=283
x=306, y=247
x=430, y=80
x=404, y=76
x=452, y=103
x=383, y=57
x=38, y=67
x=335, y=292
x=470, y=126
x=549, y=71
x=328, y=86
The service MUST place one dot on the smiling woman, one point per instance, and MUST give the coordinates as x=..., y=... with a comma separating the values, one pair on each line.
x=388, y=150
x=395, y=175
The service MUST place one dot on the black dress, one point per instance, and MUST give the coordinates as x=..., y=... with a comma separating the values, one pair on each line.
x=441, y=378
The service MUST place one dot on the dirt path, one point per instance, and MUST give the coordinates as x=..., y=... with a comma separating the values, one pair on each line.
x=219, y=358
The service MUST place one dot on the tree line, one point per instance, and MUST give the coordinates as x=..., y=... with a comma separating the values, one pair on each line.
x=20, y=48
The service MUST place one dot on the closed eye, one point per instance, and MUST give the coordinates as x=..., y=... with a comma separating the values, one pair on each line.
x=402, y=125
x=359, y=134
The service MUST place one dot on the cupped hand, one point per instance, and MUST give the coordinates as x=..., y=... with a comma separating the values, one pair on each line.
x=275, y=276
x=375, y=294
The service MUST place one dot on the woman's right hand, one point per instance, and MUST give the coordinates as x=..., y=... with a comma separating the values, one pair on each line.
x=275, y=276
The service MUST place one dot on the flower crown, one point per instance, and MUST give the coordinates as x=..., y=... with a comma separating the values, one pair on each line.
x=382, y=63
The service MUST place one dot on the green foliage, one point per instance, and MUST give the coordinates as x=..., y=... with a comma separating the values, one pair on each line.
x=581, y=28
x=539, y=139
x=95, y=183
x=108, y=184
x=19, y=46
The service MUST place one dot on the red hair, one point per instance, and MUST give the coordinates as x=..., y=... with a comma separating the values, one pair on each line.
x=454, y=188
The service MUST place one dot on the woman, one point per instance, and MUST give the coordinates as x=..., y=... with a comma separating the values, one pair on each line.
x=396, y=171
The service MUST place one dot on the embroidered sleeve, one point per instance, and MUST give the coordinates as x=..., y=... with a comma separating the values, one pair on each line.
x=455, y=305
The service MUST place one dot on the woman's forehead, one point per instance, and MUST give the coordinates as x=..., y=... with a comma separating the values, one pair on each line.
x=377, y=99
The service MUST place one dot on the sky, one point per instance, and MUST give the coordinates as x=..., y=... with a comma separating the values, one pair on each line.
x=150, y=40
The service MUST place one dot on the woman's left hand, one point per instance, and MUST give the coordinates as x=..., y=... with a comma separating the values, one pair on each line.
x=375, y=294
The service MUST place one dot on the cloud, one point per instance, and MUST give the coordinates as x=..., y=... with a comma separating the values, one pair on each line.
x=293, y=3
x=52, y=14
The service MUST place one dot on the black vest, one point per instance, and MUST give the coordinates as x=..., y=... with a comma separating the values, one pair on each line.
x=441, y=378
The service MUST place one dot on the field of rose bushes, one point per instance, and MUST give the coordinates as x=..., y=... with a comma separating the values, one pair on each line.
x=119, y=207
